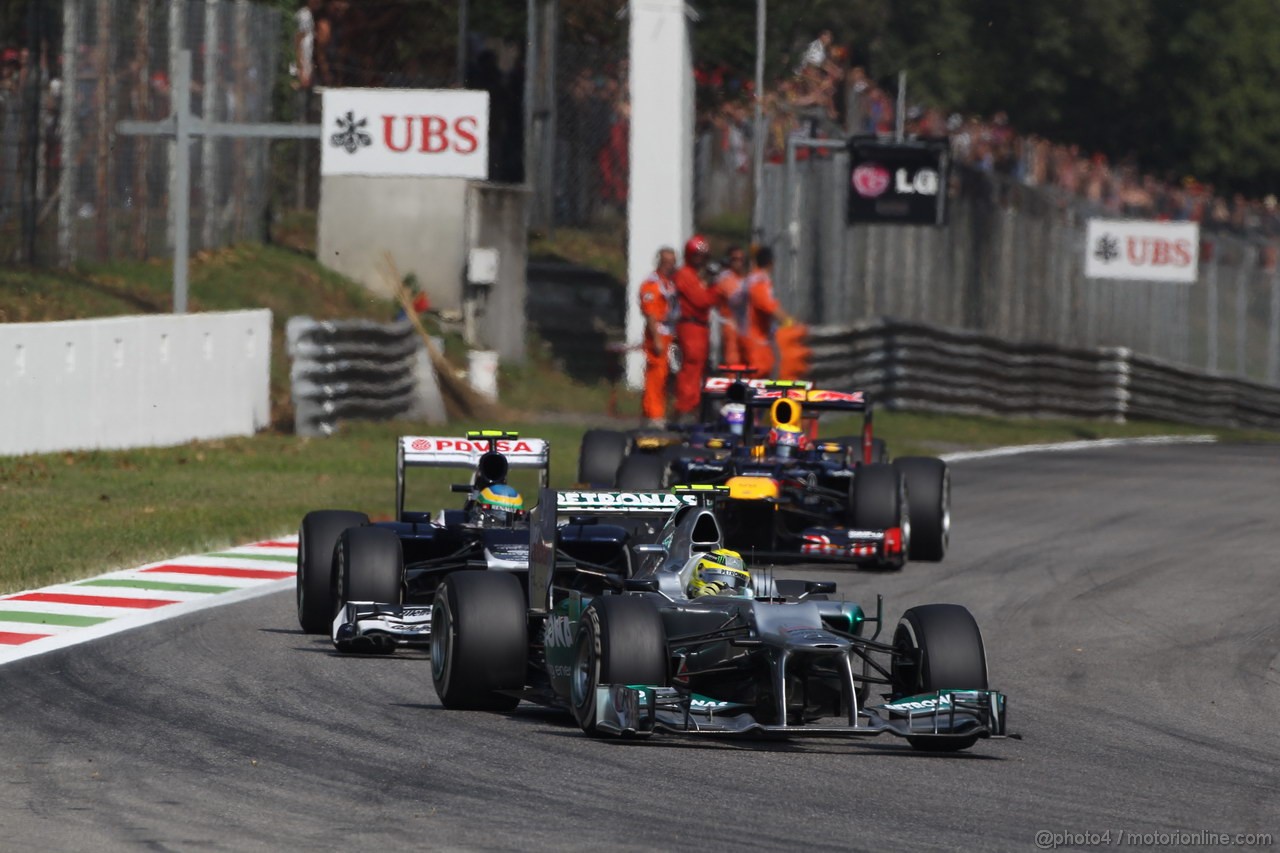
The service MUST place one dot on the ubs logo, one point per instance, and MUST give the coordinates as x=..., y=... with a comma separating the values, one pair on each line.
x=351, y=135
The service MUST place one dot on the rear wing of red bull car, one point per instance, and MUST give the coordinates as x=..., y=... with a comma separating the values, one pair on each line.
x=811, y=402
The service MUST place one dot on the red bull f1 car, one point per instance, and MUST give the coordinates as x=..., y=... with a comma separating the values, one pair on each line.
x=795, y=496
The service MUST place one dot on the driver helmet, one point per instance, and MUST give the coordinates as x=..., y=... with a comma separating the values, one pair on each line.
x=498, y=505
x=733, y=416
x=720, y=572
x=785, y=440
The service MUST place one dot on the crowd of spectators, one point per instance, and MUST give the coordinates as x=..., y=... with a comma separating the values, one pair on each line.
x=21, y=80
x=1115, y=188
x=826, y=96
x=593, y=129
x=13, y=89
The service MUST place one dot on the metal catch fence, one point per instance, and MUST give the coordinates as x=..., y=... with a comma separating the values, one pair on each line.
x=1010, y=264
x=93, y=194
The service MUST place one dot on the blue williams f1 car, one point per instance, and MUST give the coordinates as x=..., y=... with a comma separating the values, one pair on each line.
x=371, y=585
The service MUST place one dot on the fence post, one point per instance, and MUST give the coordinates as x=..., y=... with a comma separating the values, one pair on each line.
x=1247, y=259
x=1273, y=327
x=208, y=110
x=792, y=226
x=67, y=128
x=1211, y=309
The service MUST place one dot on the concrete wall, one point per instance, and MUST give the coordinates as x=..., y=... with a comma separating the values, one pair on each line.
x=133, y=381
x=420, y=221
x=660, y=205
x=497, y=216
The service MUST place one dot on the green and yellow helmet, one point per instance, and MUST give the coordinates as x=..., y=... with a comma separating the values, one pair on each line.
x=720, y=572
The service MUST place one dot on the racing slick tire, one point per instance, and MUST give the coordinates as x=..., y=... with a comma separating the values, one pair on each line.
x=621, y=640
x=317, y=539
x=602, y=452
x=879, y=450
x=878, y=501
x=368, y=565
x=479, y=640
x=938, y=647
x=929, y=498
x=643, y=472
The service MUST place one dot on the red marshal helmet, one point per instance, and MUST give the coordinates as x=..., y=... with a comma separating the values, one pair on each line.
x=697, y=245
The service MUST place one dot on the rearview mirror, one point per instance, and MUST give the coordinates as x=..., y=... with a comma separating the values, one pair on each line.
x=641, y=585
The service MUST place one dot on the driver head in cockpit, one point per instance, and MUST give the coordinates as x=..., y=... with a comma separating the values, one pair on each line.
x=497, y=505
x=720, y=572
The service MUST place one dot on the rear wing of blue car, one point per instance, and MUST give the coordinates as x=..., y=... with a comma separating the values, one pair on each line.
x=466, y=452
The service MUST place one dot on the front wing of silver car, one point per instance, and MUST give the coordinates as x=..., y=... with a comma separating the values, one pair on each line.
x=642, y=710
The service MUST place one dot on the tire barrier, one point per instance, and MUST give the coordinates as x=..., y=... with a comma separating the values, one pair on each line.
x=358, y=370
x=933, y=369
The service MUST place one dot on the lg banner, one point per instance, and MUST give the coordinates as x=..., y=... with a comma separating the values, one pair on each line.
x=1142, y=250
x=406, y=132
x=898, y=183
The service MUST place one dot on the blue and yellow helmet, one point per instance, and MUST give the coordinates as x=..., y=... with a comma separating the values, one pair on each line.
x=498, y=504
x=720, y=572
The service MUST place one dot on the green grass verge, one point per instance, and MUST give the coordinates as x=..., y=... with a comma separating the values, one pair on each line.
x=72, y=515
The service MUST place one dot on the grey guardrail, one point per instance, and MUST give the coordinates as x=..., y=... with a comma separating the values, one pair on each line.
x=357, y=369
x=928, y=368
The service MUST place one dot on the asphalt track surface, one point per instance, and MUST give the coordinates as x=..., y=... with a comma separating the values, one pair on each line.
x=1130, y=601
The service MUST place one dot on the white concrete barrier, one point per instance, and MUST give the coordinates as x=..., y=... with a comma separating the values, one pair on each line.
x=146, y=381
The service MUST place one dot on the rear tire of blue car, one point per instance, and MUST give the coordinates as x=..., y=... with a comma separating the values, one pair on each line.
x=621, y=640
x=317, y=540
x=479, y=641
x=369, y=566
x=643, y=472
x=601, y=453
x=929, y=496
x=938, y=647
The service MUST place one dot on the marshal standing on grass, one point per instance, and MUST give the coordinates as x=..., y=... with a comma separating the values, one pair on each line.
x=731, y=291
x=763, y=315
x=658, y=305
x=693, y=328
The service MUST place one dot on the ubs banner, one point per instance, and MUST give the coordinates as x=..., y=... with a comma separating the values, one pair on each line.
x=406, y=132
x=1142, y=250
x=902, y=183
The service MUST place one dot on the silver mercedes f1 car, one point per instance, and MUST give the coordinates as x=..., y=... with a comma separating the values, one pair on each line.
x=619, y=642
